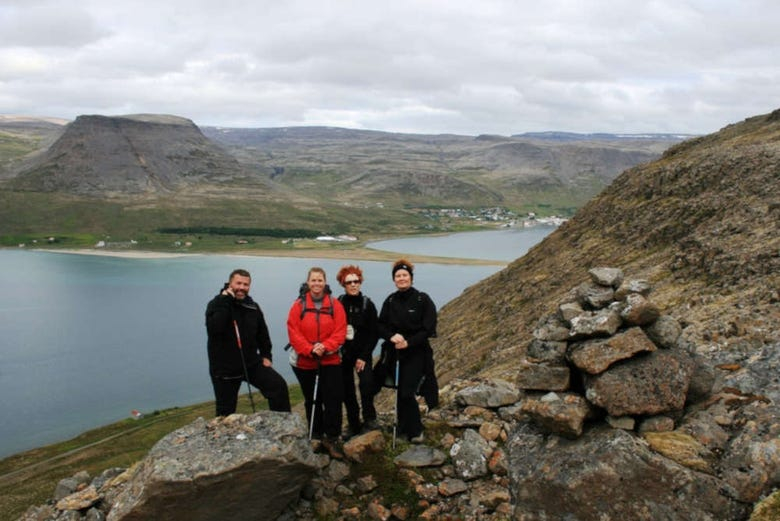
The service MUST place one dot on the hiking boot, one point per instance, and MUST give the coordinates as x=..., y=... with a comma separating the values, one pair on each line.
x=371, y=425
x=417, y=439
x=333, y=446
x=352, y=432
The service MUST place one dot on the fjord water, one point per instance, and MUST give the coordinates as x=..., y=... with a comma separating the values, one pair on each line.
x=506, y=244
x=86, y=339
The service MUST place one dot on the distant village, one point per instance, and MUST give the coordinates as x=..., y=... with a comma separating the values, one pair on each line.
x=497, y=214
x=505, y=218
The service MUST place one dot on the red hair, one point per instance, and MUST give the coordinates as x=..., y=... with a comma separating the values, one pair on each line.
x=349, y=270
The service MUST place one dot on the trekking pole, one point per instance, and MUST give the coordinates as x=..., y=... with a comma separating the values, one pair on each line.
x=314, y=400
x=243, y=362
x=397, y=391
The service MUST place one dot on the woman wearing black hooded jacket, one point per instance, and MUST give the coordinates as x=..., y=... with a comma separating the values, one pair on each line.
x=406, y=322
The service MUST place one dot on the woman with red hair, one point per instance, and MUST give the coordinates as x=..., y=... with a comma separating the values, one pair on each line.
x=358, y=350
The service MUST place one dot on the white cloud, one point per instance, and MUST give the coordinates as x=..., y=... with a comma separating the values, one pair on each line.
x=429, y=66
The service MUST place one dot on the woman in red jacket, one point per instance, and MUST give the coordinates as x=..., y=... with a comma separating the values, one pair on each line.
x=317, y=327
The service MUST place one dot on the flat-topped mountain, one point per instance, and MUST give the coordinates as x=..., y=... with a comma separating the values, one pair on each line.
x=135, y=154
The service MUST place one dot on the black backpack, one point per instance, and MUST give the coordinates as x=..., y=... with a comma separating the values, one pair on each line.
x=302, y=297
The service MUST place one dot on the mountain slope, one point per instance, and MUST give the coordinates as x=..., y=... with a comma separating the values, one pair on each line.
x=100, y=155
x=423, y=170
x=700, y=223
x=22, y=137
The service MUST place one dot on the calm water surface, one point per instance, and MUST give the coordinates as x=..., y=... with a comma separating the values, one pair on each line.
x=86, y=339
x=506, y=244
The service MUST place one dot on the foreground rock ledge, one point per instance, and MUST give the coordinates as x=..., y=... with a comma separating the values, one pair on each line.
x=238, y=467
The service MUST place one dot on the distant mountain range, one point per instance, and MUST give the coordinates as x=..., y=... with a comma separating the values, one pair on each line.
x=573, y=136
x=161, y=157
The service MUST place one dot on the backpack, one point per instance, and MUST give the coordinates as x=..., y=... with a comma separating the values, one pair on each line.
x=302, y=298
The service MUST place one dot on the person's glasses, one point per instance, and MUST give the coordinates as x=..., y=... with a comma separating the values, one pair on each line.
x=348, y=282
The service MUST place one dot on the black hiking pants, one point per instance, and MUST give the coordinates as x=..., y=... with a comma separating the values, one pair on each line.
x=327, y=403
x=366, y=387
x=270, y=383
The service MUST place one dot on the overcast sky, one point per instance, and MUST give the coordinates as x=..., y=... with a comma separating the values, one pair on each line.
x=422, y=66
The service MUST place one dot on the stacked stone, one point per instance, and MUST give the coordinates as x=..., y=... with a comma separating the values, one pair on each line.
x=607, y=352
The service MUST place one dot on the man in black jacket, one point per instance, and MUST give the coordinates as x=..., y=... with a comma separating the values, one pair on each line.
x=238, y=338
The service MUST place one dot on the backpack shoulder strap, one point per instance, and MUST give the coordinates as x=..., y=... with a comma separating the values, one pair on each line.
x=328, y=310
x=302, y=299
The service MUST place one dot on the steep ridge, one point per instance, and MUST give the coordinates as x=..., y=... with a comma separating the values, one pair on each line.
x=700, y=224
x=135, y=154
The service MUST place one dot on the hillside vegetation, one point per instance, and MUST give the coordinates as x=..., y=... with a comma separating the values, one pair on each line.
x=132, y=179
x=700, y=224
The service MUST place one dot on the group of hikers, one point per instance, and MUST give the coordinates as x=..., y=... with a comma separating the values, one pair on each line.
x=330, y=341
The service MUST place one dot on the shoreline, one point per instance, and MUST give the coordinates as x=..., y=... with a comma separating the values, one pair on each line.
x=361, y=253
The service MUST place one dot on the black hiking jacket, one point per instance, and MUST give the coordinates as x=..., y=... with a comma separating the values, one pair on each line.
x=362, y=316
x=224, y=354
x=411, y=313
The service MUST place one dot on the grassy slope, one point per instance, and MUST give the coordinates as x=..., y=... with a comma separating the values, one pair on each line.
x=81, y=222
x=29, y=478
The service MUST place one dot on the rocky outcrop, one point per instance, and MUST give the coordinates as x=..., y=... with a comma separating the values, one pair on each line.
x=236, y=467
x=485, y=458
x=230, y=467
x=609, y=474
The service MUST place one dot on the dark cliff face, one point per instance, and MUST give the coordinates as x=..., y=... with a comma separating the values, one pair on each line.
x=700, y=223
x=100, y=155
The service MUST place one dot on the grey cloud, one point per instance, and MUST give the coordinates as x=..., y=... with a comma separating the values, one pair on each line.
x=410, y=65
x=47, y=25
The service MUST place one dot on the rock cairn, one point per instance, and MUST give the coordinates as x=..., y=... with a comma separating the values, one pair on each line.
x=609, y=352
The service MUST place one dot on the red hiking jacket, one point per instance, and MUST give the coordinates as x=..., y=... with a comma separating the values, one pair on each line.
x=327, y=325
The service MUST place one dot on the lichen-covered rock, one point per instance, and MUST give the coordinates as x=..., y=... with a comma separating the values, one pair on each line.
x=493, y=394
x=469, y=455
x=664, y=332
x=609, y=474
x=563, y=414
x=651, y=384
x=228, y=468
x=595, y=356
x=543, y=377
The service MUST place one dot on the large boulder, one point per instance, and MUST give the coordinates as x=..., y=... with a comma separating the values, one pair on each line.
x=596, y=355
x=651, y=384
x=609, y=475
x=237, y=467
